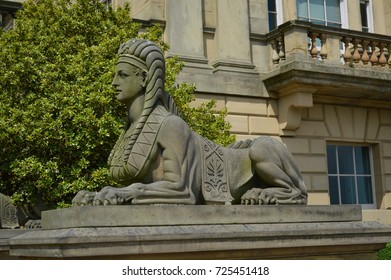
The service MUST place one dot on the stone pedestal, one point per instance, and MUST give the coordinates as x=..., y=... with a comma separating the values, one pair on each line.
x=203, y=232
x=5, y=236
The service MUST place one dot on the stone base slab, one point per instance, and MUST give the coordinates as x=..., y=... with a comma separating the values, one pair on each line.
x=347, y=240
x=169, y=215
x=203, y=232
x=5, y=236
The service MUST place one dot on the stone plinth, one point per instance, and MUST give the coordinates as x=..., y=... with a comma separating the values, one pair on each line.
x=203, y=232
x=173, y=215
x=5, y=236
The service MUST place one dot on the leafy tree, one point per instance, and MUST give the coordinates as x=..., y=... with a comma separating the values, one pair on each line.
x=58, y=114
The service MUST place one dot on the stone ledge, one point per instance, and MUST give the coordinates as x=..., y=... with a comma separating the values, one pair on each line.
x=5, y=236
x=224, y=83
x=160, y=215
x=304, y=240
x=202, y=232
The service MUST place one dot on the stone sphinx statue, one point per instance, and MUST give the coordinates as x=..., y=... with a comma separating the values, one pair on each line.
x=160, y=160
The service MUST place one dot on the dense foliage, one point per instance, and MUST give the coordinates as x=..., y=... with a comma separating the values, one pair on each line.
x=58, y=115
x=385, y=254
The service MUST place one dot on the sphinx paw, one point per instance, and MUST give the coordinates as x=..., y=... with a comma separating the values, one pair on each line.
x=100, y=197
x=258, y=196
x=251, y=197
x=83, y=198
x=266, y=198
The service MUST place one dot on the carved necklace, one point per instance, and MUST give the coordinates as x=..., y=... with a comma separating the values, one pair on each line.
x=126, y=160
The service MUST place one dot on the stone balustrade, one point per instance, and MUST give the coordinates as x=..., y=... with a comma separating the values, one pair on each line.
x=331, y=45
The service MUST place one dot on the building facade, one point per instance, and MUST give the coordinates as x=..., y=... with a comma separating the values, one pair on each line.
x=313, y=73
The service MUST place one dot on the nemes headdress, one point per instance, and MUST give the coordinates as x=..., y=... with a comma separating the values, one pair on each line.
x=136, y=52
x=124, y=56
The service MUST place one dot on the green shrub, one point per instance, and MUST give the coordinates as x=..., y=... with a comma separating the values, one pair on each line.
x=385, y=254
x=58, y=115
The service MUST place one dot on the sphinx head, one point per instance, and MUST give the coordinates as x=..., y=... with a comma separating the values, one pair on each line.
x=140, y=70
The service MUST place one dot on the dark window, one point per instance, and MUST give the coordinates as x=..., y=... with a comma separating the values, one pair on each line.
x=350, y=176
x=364, y=15
x=272, y=9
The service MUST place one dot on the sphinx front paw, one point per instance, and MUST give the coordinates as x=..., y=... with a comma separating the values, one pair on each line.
x=83, y=198
x=258, y=196
x=119, y=196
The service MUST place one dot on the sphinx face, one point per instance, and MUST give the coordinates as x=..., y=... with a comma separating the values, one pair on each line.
x=129, y=82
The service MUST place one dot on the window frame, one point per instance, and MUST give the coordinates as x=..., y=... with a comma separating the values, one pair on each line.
x=278, y=14
x=369, y=14
x=356, y=175
x=342, y=9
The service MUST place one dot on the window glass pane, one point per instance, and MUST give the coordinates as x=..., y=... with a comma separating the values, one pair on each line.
x=349, y=175
x=333, y=10
x=362, y=160
x=317, y=9
x=272, y=5
x=334, y=191
x=345, y=160
x=338, y=25
x=302, y=8
x=272, y=21
x=318, y=22
x=348, y=190
x=332, y=159
x=364, y=188
x=364, y=17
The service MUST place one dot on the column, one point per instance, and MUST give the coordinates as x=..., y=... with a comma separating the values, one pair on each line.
x=184, y=31
x=233, y=53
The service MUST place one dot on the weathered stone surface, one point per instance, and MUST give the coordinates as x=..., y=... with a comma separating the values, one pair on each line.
x=203, y=232
x=5, y=236
x=8, y=213
x=165, y=215
x=303, y=240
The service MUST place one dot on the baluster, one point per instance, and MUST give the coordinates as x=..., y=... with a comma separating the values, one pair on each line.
x=314, y=50
x=374, y=60
x=356, y=52
x=275, y=56
x=365, y=56
x=382, y=57
x=323, y=51
x=281, y=53
x=347, y=54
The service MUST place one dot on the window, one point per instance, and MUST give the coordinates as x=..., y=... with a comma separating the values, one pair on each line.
x=323, y=12
x=350, y=175
x=272, y=8
x=366, y=16
x=274, y=14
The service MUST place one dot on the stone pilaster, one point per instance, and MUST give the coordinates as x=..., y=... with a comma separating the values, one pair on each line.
x=184, y=31
x=233, y=52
